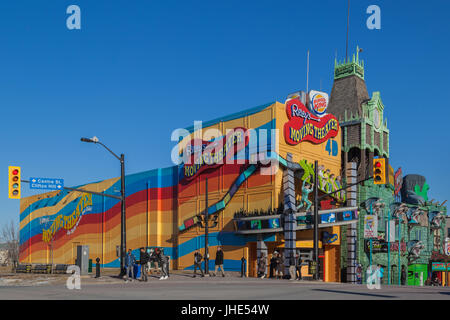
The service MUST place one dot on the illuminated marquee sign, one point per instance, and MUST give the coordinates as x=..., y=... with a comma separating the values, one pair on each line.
x=69, y=222
x=211, y=154
x=305, y=125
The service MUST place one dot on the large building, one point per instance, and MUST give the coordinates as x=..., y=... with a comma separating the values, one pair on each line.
x=273, y=148
x=259, y=167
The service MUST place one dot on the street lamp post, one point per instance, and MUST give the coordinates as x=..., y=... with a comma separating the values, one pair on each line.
x=123, y=233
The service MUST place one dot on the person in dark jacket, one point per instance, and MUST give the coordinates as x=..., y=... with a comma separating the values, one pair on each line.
x=279, y=266
x=198, y=263
x=298, y=266
x=163, y=262
x=143, y=260
x=273, y=263
x=403, y=276
x=243, y=267
x=219, y=262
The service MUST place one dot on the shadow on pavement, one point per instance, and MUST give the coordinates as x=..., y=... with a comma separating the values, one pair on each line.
x=356, y=293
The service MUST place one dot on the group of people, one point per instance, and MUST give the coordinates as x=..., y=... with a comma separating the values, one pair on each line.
x=277, y=266
x=156, y=255
x=218, y=262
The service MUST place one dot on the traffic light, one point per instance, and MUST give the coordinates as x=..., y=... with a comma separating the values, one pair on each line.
x=14, y=182
x=379, y=171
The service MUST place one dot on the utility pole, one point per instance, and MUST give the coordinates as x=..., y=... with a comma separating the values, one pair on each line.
x=206, y=230
x=316, y=219
x=123, y=220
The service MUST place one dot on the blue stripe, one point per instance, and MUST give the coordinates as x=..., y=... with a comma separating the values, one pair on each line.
x=233, y=116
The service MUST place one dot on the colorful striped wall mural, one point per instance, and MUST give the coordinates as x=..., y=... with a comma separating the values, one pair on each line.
x=157, y=203
x=161, y=205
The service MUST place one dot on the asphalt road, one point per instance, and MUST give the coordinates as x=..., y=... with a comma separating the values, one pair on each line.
x=183, y=287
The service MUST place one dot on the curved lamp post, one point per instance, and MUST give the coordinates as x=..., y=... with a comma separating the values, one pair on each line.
x=123, y=234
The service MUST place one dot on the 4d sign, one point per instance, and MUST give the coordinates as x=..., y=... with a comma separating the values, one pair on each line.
x=313, y=125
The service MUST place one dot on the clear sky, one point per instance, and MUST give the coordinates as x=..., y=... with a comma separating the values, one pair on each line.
x=139, y=69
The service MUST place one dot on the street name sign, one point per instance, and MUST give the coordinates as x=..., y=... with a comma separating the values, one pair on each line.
x=46, y=183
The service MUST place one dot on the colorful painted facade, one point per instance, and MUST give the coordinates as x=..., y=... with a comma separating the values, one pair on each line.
x=164, y=206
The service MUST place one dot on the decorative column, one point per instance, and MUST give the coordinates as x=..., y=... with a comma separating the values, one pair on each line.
x=352, y=174
x=289, y=225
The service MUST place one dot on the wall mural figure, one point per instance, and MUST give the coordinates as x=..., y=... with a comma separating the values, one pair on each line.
x=306, y=190
x=436, y=218
x=414, y=249
x=399, y=211
x=377, y=206
x=417, y=215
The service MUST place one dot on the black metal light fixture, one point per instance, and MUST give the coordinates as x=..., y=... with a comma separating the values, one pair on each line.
x=123, y=235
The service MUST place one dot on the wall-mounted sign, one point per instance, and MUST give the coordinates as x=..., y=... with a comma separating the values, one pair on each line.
x=318, y=102
x=381, y=246
x=69, y=222
x=210, y=154
x=370, y=227
x=303, y=125
x=447, y=247
x=398, y=181
x=440, y=266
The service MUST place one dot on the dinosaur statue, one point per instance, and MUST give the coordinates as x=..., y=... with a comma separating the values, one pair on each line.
x=414, y=249
x=399, y=211
x=436, y=218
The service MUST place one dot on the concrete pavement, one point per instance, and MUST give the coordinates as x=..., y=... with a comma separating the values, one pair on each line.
x=183, y=287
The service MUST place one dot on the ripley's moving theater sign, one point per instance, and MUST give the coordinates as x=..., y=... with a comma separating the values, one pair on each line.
x=212, y=154
x=309, y=124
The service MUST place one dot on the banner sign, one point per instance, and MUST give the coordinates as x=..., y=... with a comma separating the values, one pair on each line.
x=439, y=266
x=370, y=227
x=211, y=154
x=381, y=246
x=398, y=181
x=305, y=125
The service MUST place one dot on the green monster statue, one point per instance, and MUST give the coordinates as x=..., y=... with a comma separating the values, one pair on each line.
x=306, y=190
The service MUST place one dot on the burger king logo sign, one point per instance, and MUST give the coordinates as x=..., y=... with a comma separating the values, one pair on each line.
x=318, y=102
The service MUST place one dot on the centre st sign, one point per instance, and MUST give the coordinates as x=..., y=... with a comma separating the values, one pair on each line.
x=46, y=183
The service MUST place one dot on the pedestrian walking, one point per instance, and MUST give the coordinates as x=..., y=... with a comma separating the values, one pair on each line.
x=292, y=269
x=143, y=260
x=273, y=263
x=403, y=276
x=298, y=266
x=243, y=263
x=198, y=263
x=130, y=261
x=219, y=262
x=262, y=265
x=279, y=266
x=380, y=272
x=163, y=262
x=359, y=274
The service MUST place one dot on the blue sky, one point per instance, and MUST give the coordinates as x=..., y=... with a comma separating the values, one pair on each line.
x=139, y=69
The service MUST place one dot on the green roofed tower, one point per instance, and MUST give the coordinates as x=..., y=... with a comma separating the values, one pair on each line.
x=365, y=133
